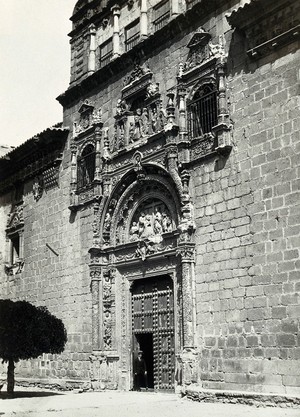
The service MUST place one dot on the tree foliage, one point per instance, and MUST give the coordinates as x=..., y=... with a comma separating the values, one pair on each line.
x=27, y=331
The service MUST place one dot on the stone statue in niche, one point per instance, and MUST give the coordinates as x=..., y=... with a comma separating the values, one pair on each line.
x=144, y=122
x=134, y=232
x=138, y=124
x=132, y=137
x=166, y=223
x=107, y=221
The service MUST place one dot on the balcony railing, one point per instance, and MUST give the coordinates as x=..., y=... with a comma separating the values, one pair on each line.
x=105, y=59
x=132, y=41
x=161, y=20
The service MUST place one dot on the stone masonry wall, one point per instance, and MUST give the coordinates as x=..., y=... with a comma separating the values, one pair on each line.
x=248, y=225
x=247, y=236
x=60, y=282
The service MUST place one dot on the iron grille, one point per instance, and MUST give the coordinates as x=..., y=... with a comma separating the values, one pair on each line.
x=106, y=53
x=132, y=35
x=86, y=167
x=162, y=15
x=203, y=112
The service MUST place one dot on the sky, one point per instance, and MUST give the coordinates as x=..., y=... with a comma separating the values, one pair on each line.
x=34, y=65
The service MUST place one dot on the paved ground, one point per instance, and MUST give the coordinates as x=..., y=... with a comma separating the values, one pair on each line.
x=121, y=404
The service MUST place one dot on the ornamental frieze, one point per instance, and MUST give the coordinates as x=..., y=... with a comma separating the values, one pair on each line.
x=203, y=147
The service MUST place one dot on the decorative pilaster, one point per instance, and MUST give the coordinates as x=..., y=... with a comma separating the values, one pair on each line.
x=73, y=175
x=98, y=159
x=116, y=31
x=96, y=274
x=187, y=253
x=108, y=302
x=174, y=8
x=182, y=114
x=222, y=130
x=92, y=49
x=144, y=19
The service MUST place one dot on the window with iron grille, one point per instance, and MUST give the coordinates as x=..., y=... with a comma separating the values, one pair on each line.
x=203, y=111
x=161, y=14
x=15, y=248
x=106, y=52
x=132, y=35
x=86, y=166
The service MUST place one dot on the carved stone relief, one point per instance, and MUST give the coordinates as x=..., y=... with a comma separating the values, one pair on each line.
x=139, y=112
x=151, y=220
x=202, y=49
x=37, y=188
x=15, y=219
x=107, y=301
x=89, y=116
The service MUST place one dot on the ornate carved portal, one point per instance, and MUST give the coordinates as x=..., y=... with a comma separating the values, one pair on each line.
x=145, y=290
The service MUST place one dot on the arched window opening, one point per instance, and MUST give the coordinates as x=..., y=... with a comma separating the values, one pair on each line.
x=86, y=166
x=203, y=111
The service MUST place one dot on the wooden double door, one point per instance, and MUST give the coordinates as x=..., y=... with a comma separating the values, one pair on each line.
x=153, y=329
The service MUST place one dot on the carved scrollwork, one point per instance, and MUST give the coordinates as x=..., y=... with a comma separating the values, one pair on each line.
x=15, y=218
x=202, y=49
x=138, y=72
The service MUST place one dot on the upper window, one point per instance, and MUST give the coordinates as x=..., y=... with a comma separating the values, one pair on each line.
x=106, y=52
x=14, y=235
x=203, y=111
x=132, y=35
x=86, y=166
x=161, y=14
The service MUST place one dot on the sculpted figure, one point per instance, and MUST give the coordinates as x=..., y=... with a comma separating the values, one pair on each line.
x=142, y=220
x=134, y=232
x=166, y=223
x=158, y=222
x=144, y=122
x=107, y=221
x=131, y=132
x=154, y=120
x=138, y=124
x=148, y=231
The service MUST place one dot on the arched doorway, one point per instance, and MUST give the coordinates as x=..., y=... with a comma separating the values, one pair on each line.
x=152, y=309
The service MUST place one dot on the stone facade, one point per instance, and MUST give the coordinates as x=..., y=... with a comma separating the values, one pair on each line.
x=177, y=185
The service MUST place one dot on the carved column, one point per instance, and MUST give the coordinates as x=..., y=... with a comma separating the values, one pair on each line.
x=186, y=251
x=98, y=160
x=73, y=174
x=116, y=31
x=96, y=274
x=222, y=130
x=92, y=48
x=144, y=19
x=182, y=114
x=174, y=7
